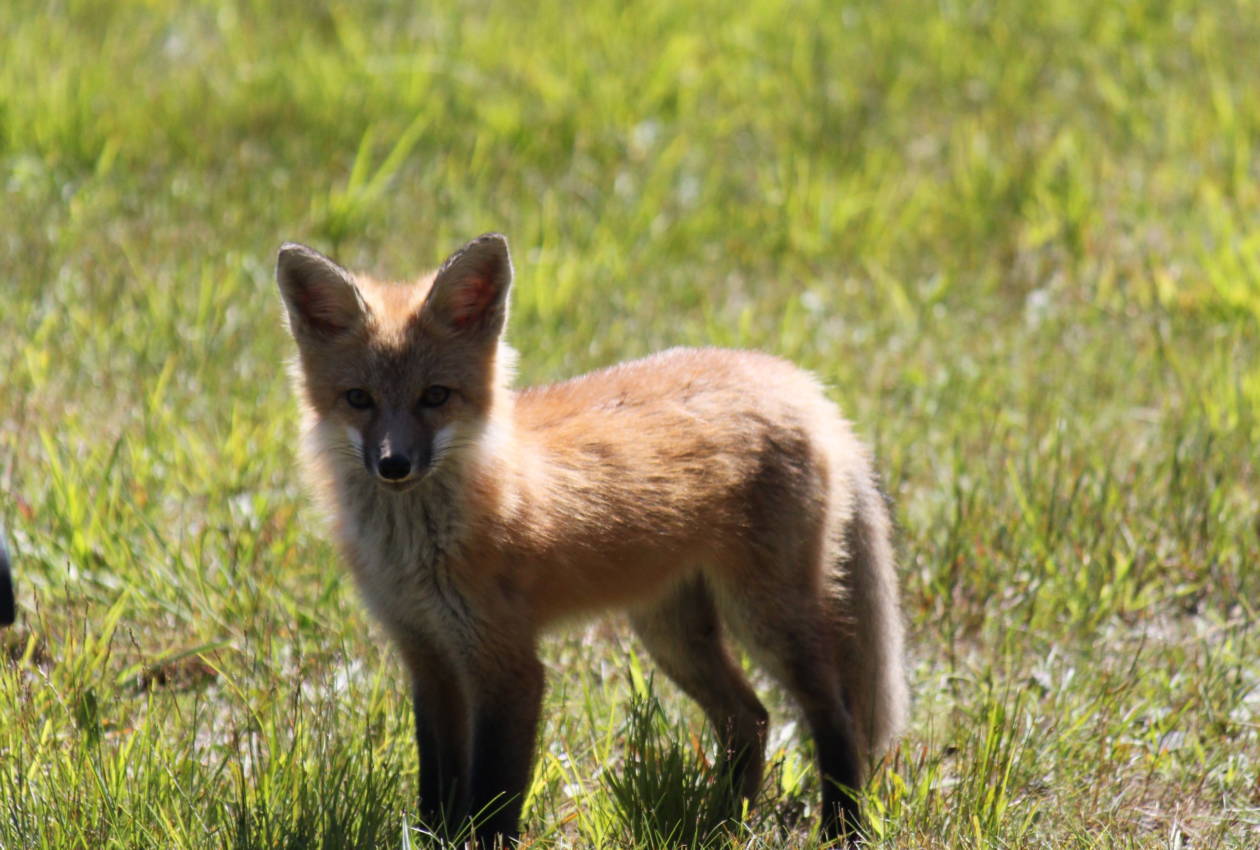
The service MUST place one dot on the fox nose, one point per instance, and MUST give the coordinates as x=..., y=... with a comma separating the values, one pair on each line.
x=393, y=467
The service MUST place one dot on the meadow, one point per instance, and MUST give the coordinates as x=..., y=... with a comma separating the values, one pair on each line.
x=1020, y=242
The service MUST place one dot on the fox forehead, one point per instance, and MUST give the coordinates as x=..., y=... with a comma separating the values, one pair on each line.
x=394, y=346
x=395, y=357
x=392, y=307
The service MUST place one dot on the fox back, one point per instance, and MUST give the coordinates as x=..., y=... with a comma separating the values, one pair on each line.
x=702, y=490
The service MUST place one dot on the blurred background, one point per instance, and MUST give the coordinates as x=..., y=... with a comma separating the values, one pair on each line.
x=1020, y=242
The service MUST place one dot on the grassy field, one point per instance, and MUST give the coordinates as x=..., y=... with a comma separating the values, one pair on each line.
x=1019, y=241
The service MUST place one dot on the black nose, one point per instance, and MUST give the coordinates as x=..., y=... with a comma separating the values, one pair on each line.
x=394, y=467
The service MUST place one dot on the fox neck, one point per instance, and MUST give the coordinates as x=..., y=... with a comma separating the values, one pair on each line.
x=403, y=547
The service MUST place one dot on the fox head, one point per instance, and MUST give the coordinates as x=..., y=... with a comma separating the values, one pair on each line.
x=399, y=376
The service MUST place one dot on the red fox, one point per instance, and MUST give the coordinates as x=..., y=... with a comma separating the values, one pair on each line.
x=701, y=490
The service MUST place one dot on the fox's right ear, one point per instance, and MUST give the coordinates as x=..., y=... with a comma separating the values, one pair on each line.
x=320, y=295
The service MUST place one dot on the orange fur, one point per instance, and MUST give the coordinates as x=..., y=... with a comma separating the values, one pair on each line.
x=700, y=489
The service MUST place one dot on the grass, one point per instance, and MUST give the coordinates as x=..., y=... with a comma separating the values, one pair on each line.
x=667, y=794
x=1020, y=242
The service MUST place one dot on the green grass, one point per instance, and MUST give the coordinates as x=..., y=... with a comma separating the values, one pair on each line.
x=666, y=794
x=1019, y=241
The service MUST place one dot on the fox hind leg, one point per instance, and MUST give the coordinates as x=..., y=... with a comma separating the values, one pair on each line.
x=781, y=614
x=684, y=636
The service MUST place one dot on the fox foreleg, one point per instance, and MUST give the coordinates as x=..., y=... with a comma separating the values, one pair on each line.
x=444, y=739
x=476, y=723
x=509, y=700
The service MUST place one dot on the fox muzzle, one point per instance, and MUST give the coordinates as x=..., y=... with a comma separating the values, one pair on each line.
x=398, y=459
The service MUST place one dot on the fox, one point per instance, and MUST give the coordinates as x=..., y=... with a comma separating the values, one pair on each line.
x=710, y=494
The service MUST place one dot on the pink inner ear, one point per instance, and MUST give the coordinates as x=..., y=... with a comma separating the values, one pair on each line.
x=471, y=300
x=324, y=310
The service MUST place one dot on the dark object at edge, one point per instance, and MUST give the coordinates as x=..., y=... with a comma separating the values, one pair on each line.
x=7, y=610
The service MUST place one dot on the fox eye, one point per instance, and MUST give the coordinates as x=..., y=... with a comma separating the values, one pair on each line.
x=358, y=399
x=434, y=396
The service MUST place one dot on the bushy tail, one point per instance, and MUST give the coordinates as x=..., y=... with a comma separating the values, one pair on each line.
x=872, y=648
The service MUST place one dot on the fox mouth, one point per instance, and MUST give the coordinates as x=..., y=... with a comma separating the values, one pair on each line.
x=400, y=486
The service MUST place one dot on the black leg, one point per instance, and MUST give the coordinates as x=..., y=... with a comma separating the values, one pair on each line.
x=444, y=779
x=444, y=739
x=840, y=772
x=503, y=741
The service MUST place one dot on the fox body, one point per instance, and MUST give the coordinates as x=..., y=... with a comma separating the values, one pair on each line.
x=704, y=491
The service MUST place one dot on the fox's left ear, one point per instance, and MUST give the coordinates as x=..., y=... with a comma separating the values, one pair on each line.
x=469, y=294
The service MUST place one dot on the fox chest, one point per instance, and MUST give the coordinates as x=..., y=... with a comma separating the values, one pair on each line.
x=404, y=561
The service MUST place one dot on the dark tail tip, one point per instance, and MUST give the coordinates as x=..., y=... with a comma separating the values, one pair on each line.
x=7, y=608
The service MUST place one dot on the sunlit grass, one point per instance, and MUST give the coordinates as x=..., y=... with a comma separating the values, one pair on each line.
x=1020, y=242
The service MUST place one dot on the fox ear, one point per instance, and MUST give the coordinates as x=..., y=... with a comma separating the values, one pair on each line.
x=320, y=295
x=469, y=293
